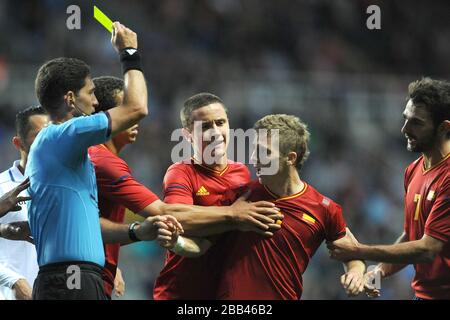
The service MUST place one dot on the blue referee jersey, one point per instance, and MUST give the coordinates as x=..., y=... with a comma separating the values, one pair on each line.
x=63, y=212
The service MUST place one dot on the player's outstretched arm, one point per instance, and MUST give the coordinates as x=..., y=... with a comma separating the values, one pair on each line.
x=382, y=271
x=113, y=232
x=134, y=106
x=388, y=269
x=200, y=221
x=410, y=252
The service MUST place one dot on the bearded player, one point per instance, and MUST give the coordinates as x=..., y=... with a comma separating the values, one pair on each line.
x=425, y=242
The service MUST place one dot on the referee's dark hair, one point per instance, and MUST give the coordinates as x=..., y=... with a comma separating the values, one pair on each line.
x=23, y=120
x=106, y=90
x=56, y=77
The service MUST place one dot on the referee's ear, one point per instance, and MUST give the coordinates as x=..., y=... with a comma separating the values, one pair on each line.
x=17, y=142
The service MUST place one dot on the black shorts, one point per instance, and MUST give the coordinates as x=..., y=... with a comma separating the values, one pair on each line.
x=69, y=281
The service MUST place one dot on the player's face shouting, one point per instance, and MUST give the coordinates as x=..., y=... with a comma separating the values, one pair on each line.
x=85, y=101
x=418, y=128
x=211, y=132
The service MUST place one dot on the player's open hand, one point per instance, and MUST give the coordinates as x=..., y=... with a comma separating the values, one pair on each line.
x=19, y=231
x=123, y=37
x=344, y=249
x=11, y=200
x=262, y=217
x=353, y=283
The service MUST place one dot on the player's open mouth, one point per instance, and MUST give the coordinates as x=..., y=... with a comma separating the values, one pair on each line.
x=216, y=144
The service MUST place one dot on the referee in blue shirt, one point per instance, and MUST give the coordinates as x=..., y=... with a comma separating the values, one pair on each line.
x=63, y=213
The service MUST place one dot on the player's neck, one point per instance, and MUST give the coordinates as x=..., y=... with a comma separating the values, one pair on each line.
x=115, y=148
x=286, y=184
x=219, y=166
x=436, y=155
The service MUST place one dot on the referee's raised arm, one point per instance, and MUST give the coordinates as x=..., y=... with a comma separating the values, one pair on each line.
x=134, y=106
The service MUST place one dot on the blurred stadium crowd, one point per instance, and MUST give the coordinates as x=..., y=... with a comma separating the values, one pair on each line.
x=314, y=58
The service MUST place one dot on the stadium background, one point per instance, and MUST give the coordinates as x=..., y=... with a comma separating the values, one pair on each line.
x=315, y=59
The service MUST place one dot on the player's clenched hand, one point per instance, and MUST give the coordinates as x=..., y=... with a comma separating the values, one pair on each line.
x=123, y=37
x=353, y=282
x=168, y=234
x=260, y=217
x=19, y=230
x=345, y=249
x=10, y=200
x=148, y=230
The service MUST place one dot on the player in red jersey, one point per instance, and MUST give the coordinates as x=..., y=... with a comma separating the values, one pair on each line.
x=272, y=268
x=196, y=182
x=425, y=241
x=119, y=190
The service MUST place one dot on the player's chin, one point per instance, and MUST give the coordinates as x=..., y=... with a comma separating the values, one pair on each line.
x=412, y=147
x=132, y=139
x=218, y=152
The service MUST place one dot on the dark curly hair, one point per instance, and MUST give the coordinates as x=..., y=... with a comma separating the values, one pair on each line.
x=106, y=90
x=434, y=96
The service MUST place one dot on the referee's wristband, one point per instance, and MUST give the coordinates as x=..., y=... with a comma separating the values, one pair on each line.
x=130, y=59
x=132, y=233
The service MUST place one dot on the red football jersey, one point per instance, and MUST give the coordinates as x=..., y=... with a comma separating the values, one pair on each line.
x=117, y=190
x=271, y=269
x=427, y=211
x=188, y=183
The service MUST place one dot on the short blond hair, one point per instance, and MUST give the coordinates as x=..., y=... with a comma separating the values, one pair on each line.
x=293, y=134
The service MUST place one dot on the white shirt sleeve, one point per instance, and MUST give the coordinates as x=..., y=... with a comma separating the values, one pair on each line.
x=8, y=277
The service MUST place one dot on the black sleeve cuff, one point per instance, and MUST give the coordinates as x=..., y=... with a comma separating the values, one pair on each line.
x=108, y=132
